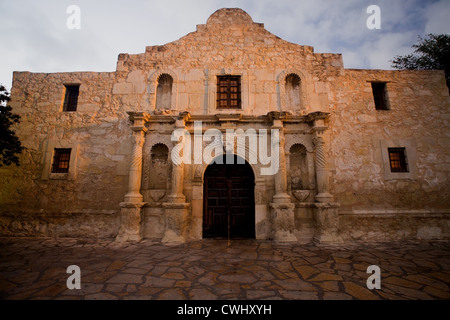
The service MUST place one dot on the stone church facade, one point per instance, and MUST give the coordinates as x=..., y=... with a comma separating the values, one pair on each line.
x=319, y=152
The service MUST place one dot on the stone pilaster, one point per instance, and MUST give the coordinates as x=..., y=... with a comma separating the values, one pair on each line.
x=176, y=209
x=176, y=193
x=281, y=209
x=325, y=210
x=281, y=195
x=131, y=208
x=322, y=174
x=135, y=175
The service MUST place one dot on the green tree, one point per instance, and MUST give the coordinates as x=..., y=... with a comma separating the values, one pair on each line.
x=10, y=145
x=431, y=53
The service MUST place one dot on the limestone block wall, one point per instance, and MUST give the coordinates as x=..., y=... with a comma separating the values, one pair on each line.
x=35, y=202
x=374, y=202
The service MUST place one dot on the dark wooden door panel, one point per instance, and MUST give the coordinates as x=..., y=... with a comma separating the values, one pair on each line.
x=229, y=201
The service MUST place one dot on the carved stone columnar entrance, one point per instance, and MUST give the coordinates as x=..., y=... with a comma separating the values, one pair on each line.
x=237, y=197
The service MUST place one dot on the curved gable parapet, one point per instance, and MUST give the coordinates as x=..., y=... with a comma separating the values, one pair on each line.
x=230, y=16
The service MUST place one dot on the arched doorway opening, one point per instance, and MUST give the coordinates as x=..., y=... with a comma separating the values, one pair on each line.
x=229, y=199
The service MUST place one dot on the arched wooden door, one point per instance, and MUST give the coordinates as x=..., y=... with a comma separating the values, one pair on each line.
x=229, y=201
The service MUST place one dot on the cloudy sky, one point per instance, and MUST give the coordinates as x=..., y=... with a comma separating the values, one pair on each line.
x=34, y=35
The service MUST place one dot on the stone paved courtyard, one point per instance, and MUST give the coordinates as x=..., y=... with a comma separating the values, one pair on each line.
x=216, y=269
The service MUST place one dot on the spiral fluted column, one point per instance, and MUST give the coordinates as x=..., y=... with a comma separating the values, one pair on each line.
x=131, y=207
x=322, y=174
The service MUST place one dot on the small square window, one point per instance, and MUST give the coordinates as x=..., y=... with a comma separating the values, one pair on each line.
x=71, y=98
x=380, y=95
x=228, y=92
x=61, y=159
x=397, y=160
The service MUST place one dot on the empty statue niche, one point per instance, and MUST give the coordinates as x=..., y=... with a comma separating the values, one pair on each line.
x=159, y=167
x=298, y=164
x=293, y=92
x=164, y=92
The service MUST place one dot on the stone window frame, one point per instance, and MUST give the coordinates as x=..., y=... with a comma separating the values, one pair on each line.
x=47, y=160
x=386, y=105
x=153, y=85
x=65, y=96
x=211, y=88
x=410, y=146
x=229, y=92
x=61, y=160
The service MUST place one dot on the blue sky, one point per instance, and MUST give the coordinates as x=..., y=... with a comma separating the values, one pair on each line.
x=35, y=38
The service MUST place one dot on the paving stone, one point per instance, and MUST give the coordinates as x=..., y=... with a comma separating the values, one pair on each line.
x=116, y=265
x=299, y=295
x=115, y=287
x=151, y=281
x=437, y=293
x=52, y=290
x=329, y=285
x=259, y=294
x=336, y=296
x=240, y=277
x=126, y=278
x=359, y=292
x=172, y=294
x=407, y=292
x=173, y=275
x=99, y=277
x=402, y=282
x=36, y=269
x=326, y=277
x=201, y=294
x=423, y=279
x=295, y=284
x=86, y=288
x=101, y=296
x=342, y=260
x=306, y=271
x=183, y=284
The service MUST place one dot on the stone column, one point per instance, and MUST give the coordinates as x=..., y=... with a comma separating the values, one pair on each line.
x=281, y=195
x=131, y=208
x=176, y=192
x=325, y=210
x=322, y=177
x=281, y=209
x=176, y=209
x=134, y=181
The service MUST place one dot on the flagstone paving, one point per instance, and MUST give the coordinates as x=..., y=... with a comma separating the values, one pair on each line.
x=216, y=269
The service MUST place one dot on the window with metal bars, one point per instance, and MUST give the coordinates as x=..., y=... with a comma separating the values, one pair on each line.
x=380, y=95
x=61, y=159
x=71, y=98
x=228, y=92
x=397, y=160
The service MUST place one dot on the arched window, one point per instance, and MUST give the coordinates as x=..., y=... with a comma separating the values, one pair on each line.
x=293, y=91
x=299, y=167
x=164, y=92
